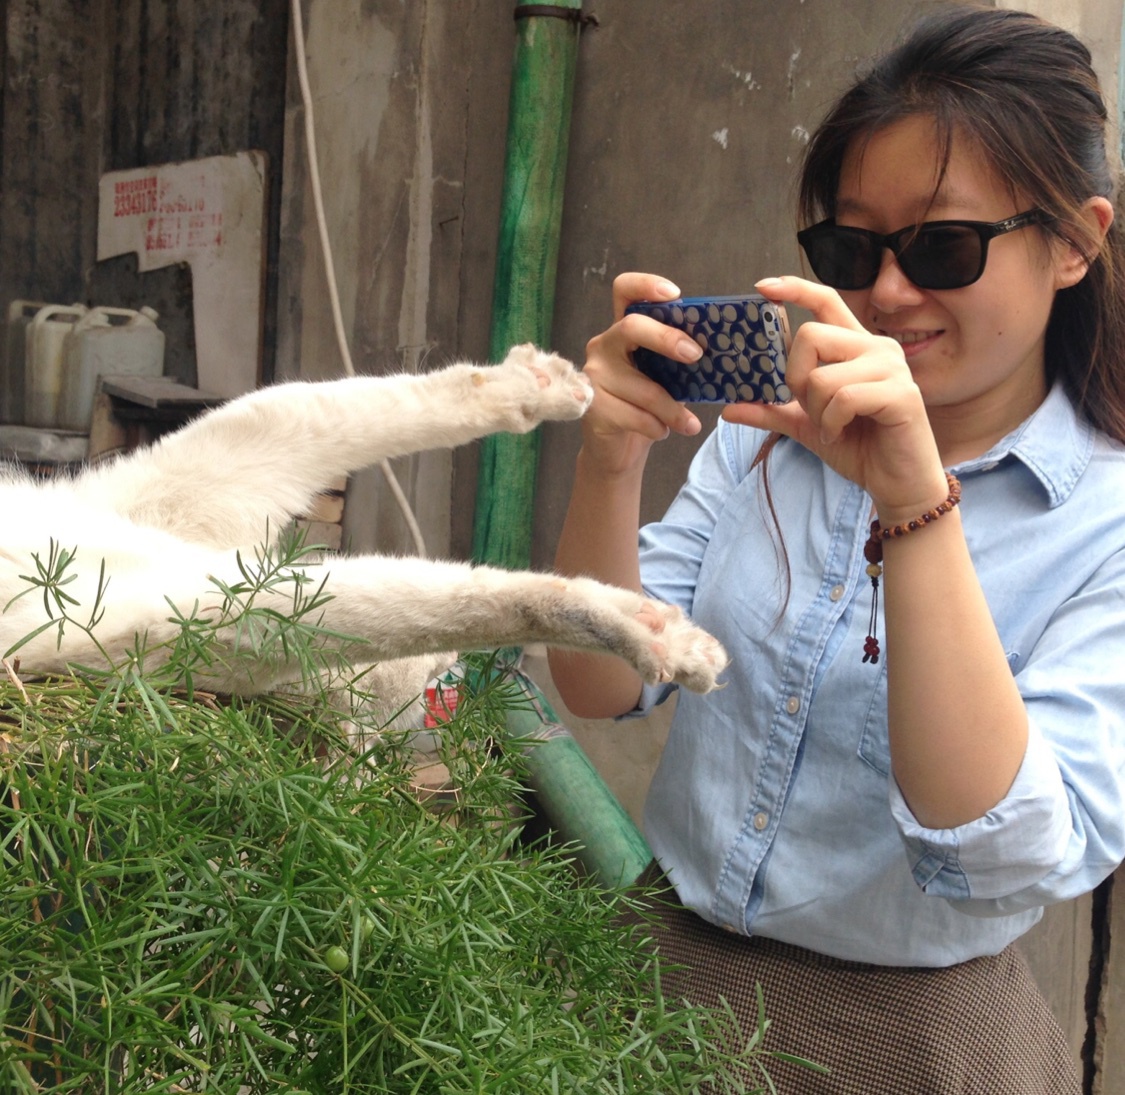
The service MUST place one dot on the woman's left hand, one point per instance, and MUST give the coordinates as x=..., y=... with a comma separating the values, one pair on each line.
x=855, y=404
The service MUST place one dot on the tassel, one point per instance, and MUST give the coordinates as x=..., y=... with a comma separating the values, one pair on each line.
x=873, y=553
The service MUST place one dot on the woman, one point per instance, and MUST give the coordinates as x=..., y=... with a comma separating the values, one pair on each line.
x=910, y=760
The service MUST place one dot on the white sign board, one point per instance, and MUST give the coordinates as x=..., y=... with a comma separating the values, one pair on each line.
x=210, y=214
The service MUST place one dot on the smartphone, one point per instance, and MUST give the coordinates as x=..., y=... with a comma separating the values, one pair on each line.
x=744, y=341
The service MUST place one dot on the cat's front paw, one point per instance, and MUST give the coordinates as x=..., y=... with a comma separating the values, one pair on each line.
x=542, y=387
x=682, y=653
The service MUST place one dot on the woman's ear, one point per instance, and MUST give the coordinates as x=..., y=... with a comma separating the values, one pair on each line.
x=1072, y=263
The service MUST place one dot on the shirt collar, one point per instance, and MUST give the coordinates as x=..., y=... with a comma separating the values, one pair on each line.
x=1055, y=444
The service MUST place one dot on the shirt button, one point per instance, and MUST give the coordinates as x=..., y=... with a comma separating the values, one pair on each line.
x=836, y=593
x=761, y=820
x=793, y=705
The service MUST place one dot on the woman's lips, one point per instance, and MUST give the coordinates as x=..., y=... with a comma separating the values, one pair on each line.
x=913, y=342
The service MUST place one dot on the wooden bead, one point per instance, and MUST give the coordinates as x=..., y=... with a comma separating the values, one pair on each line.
x=873, y=553
x=878, y=533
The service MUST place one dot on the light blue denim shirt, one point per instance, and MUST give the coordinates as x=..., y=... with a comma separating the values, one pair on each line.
x=774, y=811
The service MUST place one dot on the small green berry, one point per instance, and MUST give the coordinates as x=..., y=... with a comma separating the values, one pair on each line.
x=336, y=959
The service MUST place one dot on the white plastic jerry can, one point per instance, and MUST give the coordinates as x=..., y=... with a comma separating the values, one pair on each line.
x=44, y=359
x=106, y=342
x=13, y=373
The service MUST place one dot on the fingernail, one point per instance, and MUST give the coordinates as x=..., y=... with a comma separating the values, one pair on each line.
x=768, y=283
x=667, y=289
x=692, y=425
x=689, y=350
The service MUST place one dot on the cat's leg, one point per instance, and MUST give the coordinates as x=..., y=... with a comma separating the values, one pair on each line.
x=256, y=462
x=396, y=607
x=371, y=609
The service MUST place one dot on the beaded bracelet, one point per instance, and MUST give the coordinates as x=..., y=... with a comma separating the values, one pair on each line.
x=873, y=553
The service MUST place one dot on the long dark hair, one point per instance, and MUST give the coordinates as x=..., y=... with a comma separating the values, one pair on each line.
x=1025, y=93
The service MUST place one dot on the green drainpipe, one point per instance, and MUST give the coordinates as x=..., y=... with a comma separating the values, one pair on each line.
x=574, y=799
x=523, y=293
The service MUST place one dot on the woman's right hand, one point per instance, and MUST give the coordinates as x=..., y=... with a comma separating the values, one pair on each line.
x=629, y=411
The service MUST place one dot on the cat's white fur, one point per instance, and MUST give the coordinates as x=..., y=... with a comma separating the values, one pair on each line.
x=169, y=519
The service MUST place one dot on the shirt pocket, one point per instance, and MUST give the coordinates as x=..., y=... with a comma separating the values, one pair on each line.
x=874, y=742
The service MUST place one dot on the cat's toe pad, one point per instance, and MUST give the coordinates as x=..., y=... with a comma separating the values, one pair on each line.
x=560, y=393
x=683, y=653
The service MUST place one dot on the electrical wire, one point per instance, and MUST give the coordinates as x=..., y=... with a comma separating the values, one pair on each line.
x=326, y=248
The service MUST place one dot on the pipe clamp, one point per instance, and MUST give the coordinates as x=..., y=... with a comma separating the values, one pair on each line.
x=554, y=11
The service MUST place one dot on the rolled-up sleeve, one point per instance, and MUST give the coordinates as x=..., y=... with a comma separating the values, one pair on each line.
x=1060, y=830
x=1019, y=842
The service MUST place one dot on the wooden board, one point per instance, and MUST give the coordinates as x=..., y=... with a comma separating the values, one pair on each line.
x=1058, y=951
x=1109, y=1022
x=158, y=393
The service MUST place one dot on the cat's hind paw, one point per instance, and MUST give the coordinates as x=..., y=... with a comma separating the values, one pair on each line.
x=681, y=652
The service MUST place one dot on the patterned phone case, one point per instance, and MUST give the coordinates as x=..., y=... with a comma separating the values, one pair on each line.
x=744, y=347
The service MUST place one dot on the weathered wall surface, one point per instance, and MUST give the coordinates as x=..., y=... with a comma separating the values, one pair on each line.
x=409, y=103
x=91, y=86
x=685, y=128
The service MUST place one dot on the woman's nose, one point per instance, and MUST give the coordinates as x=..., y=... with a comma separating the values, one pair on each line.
x=892, y=288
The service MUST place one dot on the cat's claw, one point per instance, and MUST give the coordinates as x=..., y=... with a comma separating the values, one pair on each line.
x=684, y=654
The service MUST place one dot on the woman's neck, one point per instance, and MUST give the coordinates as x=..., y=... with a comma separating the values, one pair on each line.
x=965, y=431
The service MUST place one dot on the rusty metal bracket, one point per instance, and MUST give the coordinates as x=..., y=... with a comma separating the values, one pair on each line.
x=555, y=11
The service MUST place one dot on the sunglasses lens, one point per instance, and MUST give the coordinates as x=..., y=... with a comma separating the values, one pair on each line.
x=937, y=256
x=943, y=257
x=842, y=258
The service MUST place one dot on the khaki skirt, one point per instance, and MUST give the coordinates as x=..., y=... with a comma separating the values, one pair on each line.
x=978, y=1028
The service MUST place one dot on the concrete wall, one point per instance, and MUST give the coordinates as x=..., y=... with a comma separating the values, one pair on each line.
x=409, y=102
x=686, y=123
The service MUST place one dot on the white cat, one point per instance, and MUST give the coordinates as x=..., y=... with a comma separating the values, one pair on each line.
x=170, y=523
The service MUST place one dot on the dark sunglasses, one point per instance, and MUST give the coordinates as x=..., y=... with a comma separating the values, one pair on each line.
x=933, y=255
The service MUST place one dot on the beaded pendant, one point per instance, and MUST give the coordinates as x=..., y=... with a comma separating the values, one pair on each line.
x=873, y=553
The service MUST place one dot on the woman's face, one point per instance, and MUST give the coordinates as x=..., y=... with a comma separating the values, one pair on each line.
x=978, y=350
